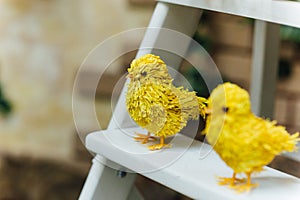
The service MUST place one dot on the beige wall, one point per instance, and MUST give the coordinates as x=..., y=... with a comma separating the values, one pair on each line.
x=42, y=44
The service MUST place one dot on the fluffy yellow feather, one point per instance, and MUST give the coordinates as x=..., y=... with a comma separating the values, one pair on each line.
x=155, y=104
x=246, y=143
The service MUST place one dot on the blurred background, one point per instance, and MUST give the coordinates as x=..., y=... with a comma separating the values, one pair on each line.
x=42, y=45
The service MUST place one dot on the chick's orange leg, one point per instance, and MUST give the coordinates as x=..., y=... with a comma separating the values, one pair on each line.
x=160, y=145
x=230, y=181
x=247, y=186
x=144, y=138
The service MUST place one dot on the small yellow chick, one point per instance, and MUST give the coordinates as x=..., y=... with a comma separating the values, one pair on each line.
x=155, y=104
x=246, y=143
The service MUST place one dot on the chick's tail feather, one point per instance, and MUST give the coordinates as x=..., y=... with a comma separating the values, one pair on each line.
x=202, y=106
x=291, y=144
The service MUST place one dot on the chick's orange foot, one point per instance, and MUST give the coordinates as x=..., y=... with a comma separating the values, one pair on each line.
x=247, y=187
x=231, y=181
x=239, y=185
x=160, y=145
x=144, y=138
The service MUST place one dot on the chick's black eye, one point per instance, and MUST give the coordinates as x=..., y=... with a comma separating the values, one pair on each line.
x=144, y=73
x=225, y=109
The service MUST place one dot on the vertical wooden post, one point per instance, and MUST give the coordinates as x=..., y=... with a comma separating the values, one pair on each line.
x=264, y=67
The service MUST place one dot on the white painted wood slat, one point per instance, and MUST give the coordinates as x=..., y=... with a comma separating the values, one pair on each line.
x=276, y=11
x=190, y=173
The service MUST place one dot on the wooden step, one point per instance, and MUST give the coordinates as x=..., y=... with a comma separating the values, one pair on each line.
x=189, y=167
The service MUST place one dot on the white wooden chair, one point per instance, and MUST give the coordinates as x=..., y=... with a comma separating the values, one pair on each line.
x=190, y=174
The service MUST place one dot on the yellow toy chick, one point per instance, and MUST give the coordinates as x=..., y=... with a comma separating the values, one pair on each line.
x=155, y=104
x=246, y=143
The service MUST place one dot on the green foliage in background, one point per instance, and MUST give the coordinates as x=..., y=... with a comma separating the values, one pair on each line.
x=196, y=81
x=190, y=73
x=5, y=104
x=291, y=34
